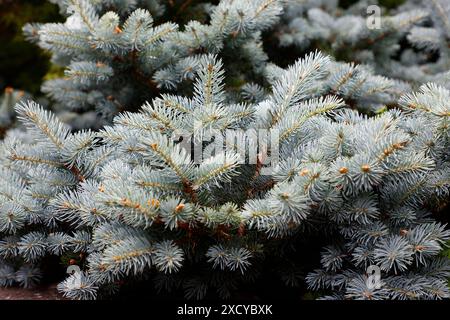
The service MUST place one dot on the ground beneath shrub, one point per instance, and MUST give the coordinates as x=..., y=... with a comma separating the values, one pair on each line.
x=38, y=293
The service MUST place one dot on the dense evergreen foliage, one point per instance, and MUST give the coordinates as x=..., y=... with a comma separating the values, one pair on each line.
x=203, y=145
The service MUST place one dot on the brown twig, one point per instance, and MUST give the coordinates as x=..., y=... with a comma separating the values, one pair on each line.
x=183, y=7
x=76, y=172
x=251, y=191
x=189, y=190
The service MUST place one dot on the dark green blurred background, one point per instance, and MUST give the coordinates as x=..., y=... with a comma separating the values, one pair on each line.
x=22, y=64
